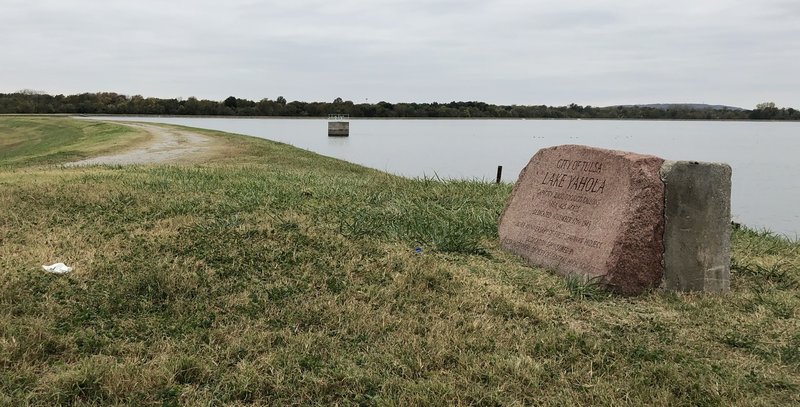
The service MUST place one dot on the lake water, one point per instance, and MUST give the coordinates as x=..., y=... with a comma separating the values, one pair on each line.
x=763, y=155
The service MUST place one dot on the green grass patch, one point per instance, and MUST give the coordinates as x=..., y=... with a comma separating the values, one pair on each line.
x=276, y=276
x=26, y=141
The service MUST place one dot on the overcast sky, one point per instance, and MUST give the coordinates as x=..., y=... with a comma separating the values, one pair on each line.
x=598, y=52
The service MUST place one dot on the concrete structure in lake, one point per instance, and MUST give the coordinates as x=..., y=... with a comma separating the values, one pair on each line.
x=627, y=221
x=337, y=126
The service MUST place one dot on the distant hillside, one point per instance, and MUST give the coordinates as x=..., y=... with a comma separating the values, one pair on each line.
x=691, y=106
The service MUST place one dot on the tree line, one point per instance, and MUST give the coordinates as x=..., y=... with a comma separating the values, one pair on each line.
x=25, y=102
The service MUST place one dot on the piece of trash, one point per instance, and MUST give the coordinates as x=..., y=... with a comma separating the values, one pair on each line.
x=418, y=250
x=58, y=268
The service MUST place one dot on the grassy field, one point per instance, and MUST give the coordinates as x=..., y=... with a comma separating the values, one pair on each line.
x=279, y=277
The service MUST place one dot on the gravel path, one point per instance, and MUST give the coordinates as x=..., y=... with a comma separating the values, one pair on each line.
x=166, y=145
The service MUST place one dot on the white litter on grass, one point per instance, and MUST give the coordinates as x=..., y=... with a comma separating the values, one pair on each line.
x=58, y=268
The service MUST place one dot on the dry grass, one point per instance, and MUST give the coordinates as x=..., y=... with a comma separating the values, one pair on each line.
x=279, y=277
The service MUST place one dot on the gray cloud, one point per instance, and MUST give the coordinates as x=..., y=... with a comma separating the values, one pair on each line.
x=503, y=51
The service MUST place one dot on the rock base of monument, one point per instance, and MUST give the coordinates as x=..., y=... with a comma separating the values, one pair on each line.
x=627, y=221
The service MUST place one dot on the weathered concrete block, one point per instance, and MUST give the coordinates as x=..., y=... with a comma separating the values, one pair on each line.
x=624, y=220
x=698, y=226
x=338, y=129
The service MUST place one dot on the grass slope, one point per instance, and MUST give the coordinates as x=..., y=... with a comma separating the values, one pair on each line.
x=282, y=277
x=27, y=141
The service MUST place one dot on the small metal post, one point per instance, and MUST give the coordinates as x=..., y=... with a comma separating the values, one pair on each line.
x=499, y=173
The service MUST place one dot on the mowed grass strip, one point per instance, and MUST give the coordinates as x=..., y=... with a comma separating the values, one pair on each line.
x=277, y=276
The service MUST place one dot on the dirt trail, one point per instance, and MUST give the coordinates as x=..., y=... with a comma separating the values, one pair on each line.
x=166, y=145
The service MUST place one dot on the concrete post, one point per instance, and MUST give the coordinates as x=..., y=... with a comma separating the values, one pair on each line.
x=697, y=229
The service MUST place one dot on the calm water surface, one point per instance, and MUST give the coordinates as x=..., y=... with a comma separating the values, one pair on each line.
x=763, y=155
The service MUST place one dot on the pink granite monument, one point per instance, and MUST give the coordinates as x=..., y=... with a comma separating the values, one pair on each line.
x=590, y=213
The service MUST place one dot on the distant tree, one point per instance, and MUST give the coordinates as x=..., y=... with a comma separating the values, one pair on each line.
x=191, y=106
x=230, y=102
x=30, y=92
x=765, y=111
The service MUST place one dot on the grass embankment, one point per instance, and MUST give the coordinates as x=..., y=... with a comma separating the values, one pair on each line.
x=26, y=141
x=282, y=277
